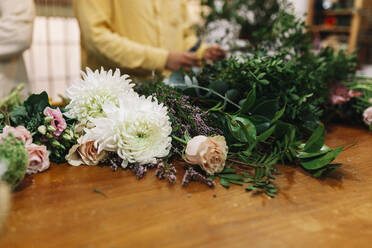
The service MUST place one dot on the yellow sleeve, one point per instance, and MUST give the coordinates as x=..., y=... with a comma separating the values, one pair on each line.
x=98, y=37
x=189, y=33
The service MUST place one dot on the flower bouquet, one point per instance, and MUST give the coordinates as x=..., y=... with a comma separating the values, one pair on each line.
x=154, y=126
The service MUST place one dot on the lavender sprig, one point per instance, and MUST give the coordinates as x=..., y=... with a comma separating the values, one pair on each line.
x=163, y=171
x=193, y=175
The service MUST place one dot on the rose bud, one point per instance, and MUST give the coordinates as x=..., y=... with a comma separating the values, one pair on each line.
x=48, y=119
x=208, y=152
x=51, y=129
x=42, y=129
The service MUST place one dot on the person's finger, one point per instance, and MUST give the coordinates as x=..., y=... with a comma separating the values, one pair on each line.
x=192, y=57
x=218, y=52
x=191, y=60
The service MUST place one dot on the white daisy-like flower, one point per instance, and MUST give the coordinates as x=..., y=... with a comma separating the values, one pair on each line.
x=95, y=89
x=138, y=130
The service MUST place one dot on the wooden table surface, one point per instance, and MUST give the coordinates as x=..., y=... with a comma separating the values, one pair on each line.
x=58, y=208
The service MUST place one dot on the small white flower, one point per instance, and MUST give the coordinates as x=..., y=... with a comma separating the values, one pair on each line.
x=138, y=130
x=89, y=94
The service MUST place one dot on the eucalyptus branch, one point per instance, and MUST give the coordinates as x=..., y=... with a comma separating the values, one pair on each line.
x=210, y=90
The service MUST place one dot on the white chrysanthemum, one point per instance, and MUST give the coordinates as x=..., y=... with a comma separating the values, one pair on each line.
x=138, y=130
x=89, y=94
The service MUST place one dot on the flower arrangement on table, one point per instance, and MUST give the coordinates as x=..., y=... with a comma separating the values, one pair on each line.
x=230, y=122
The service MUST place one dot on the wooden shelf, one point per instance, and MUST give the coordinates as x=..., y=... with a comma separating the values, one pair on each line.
x=330, y=29
x=339, y=12
x=359, y=15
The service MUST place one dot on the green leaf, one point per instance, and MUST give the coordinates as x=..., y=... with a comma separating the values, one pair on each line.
x=219, y=86
x=248, y=102
x=261, y=123
x=236, y=182
x=322, y=161
x=323, y=150
x=233, y=95
x=278, y=114
x=266, y=134
x=241, y=129
x=316, y=141
x=19, y=116
x=224, y=183
x=232, y=176
x=36, y=103
x=267, y=108
x=228, y=169
x=327, y=169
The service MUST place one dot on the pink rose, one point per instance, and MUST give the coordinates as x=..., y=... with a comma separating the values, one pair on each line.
x=340, y=94
x=58, y=121
x=38, y=158
x=85, y=153
x=367, y=116
x=20, y=133
x=208, y=152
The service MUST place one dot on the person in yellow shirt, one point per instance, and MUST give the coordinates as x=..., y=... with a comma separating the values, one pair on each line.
x=139, y=36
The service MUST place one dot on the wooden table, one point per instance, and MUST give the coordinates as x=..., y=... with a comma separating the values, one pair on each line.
x=58, y=208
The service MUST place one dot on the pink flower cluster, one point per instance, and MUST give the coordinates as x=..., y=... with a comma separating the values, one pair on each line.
x=58, y=121
x=38, y=156
x=340, y=94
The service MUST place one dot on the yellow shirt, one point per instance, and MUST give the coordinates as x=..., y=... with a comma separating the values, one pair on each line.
x=133, y=35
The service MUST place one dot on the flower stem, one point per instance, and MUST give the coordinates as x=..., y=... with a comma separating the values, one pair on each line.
x=179, y=140
x=212, y=91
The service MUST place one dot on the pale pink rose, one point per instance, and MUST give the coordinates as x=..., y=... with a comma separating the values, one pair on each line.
x=208, y=152
x=38, y=158
x=340, y=94
x=58, y=121
x=20, y=133
x=85, y=153
x=367, y=116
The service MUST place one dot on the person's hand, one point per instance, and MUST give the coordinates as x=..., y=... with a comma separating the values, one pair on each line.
x=214, y=53
x=176, y=60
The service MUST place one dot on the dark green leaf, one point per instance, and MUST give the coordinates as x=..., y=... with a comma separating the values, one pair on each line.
x=232, y=176
x=224, y=183
x=320, y=162
x=266, y=134
x=236, y=182
x=316, y=141
x=248, y=102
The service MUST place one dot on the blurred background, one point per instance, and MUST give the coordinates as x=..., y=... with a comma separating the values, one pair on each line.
x=53, y=61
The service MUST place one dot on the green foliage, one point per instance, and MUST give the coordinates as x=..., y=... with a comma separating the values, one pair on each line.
x=278, y=104
x=30, y=114
x=13, y=153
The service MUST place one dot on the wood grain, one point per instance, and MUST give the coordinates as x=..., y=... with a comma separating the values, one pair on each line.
x=59, y=208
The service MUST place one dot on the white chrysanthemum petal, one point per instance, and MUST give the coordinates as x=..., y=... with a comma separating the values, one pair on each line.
x=138, y=129
x=89, y=94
